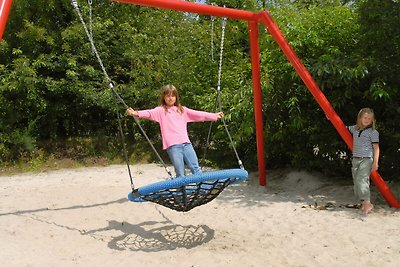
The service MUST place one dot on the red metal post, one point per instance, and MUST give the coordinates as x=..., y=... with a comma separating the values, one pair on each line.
x=5, y=7
x=195, y=8
x=319, y=96
x=255, y=63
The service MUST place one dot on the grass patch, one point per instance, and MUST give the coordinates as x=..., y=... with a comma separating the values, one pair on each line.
x=77, y=153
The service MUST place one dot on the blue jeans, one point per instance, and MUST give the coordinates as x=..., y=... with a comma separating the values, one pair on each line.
x=183, y=153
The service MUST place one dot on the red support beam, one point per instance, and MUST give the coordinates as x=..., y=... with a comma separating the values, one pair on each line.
x=195, y=8
x=5, y=6
x=257, y=95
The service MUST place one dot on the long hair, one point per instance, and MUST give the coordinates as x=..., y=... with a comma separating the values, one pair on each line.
x=168, y=90
x=361, y=113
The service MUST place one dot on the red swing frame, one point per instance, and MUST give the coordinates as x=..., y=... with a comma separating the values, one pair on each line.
x=253, y=19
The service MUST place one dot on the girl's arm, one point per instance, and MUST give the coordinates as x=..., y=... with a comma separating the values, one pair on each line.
x=376, y=157
x=198, y=116
x=150, y=114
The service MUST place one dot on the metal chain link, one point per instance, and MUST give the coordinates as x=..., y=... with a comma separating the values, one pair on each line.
x=212, y=39
x=218, y=101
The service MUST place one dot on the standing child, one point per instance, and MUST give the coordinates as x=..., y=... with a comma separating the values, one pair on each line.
x=173, y=119
x=365, y=155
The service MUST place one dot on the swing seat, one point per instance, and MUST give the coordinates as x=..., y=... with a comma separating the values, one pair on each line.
x=187, y=192
x=183, y=193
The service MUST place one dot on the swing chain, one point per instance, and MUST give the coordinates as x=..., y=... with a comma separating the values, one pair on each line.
x=90, y=2
x=221, y=54
x=212, y=38
x=219, y=92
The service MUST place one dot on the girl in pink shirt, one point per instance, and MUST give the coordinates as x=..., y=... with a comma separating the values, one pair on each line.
x=173, y=119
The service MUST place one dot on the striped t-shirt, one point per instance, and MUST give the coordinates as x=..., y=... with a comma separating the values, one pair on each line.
x=363, y=141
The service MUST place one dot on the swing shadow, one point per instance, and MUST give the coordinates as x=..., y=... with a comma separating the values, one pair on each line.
x=149, y=237
x=139, y=238
x=21, y=212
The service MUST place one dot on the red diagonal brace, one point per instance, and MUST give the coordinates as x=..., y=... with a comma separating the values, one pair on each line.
x=5, y=6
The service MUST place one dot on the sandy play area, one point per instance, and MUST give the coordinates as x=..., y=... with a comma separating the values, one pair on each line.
x=82, y=217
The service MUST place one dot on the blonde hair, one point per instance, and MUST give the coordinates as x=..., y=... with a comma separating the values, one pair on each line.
x=366, y=111
x=168, y=90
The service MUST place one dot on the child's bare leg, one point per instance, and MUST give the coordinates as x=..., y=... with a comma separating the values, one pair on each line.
x=367, y=206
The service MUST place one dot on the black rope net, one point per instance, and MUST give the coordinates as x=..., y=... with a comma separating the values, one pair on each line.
x=189, y=196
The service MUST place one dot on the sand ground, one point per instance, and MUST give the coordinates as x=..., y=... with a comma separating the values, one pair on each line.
x=82, y=217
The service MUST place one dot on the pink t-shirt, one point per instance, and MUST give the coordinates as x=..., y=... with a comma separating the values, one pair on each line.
x=173, y=125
